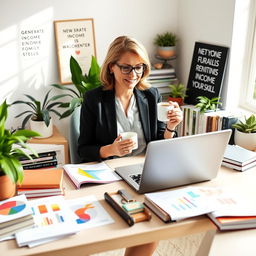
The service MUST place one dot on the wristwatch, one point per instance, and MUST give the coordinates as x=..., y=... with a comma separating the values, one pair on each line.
x=174, y=131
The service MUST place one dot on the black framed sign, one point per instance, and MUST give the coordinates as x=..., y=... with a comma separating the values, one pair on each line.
x=206, y=72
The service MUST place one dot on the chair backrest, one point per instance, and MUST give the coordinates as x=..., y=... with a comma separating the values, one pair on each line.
x=74, y=131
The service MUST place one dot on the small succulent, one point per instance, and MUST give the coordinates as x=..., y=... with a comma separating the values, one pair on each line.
x=206, y=103
x=248, y=126
x=166, y=39
x=178, y=91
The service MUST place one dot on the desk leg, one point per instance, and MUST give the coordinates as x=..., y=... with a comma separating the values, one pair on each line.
x=206, y=243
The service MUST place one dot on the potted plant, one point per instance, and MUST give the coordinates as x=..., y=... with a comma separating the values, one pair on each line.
x=177, y=93
x=82, y=83
x=206, y=104
x=166, y=44
x=39, y=113
x=245, y=133
x=11, y=170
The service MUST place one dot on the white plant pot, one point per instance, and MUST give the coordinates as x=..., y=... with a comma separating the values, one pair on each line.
x=245, y=140
x=40, y=127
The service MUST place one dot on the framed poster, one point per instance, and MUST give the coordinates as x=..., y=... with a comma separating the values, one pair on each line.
x=74, y=38
x=206, y=72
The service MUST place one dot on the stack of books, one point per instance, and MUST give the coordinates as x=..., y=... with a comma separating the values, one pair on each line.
x=15, y=215
x=233, y=210
x=49, y=156
x=44, y=159
x=161, y=79
x=239, y=158
x=41, y=183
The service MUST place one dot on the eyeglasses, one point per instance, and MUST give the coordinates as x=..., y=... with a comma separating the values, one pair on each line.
x=127, y=69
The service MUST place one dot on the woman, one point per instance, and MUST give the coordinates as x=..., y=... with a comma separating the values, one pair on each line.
x=124, y=102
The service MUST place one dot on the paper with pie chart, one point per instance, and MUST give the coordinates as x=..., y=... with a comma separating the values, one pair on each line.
x=89, y=212
x=13, y=208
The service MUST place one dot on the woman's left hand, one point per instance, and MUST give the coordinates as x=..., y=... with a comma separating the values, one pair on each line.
x=175, y=116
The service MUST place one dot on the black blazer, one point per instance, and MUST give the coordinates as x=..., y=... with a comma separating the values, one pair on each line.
x=98, y=126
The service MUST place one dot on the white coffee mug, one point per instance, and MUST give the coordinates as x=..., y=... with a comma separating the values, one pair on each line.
x=130, y=135
x=162, y=111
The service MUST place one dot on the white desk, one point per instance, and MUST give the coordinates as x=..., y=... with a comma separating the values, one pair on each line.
x=119, y=234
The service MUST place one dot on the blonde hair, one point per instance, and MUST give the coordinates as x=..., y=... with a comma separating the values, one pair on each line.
x=116, y=49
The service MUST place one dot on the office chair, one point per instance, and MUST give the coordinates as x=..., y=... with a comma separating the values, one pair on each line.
x=74, y=131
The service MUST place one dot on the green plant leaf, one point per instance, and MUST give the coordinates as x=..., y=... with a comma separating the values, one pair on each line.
x=45, y=99
x=76, y=71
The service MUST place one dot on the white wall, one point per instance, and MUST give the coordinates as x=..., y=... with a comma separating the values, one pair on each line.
x=204, y=21
x=141, y=19
x=193, y=20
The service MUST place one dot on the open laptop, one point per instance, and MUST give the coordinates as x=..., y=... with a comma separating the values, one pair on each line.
x=178, y=161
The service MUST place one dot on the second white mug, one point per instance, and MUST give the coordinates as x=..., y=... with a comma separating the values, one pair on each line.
x=162, y=111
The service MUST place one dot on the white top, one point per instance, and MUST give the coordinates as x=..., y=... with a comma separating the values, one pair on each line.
x=130, y=123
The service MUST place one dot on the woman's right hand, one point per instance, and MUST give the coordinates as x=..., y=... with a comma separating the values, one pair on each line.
x=122, y=147
x=118, y=148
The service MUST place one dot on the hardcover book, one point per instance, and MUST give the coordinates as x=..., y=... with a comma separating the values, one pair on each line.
x=233, y=211
x=42, y=178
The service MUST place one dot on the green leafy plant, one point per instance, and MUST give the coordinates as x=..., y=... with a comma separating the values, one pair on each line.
x=9, y=155
x=165, y=39
x=205, y=103
x=39, y=111
x=178, y=91
x=83, y=83
x=248, y=126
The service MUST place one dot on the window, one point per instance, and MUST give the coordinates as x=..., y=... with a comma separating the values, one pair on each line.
x=248, y=93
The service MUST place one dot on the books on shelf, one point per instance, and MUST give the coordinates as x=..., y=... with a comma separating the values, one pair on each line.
x=49, y=156
x=239, y=158
x=15, y=215
x=233, y=210
x=41, y=182
x=41, y=164
x=95, y=173
x=178, y=204
x=195, y=122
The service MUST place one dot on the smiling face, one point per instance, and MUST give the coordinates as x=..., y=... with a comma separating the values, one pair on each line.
x=130, y=80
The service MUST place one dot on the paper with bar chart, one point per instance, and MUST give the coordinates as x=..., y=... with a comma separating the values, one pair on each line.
x=93, y=173
x=181, y=203
x=89, y=212
x=53, y=218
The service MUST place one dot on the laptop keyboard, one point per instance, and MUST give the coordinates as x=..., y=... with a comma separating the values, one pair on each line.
x=136, y=177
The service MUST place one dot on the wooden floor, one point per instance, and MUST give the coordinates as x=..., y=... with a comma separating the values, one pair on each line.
x=185, y=246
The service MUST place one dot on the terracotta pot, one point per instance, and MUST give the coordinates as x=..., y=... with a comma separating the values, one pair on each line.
x=178, y=100
x=7, y=188
x=166, y=52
